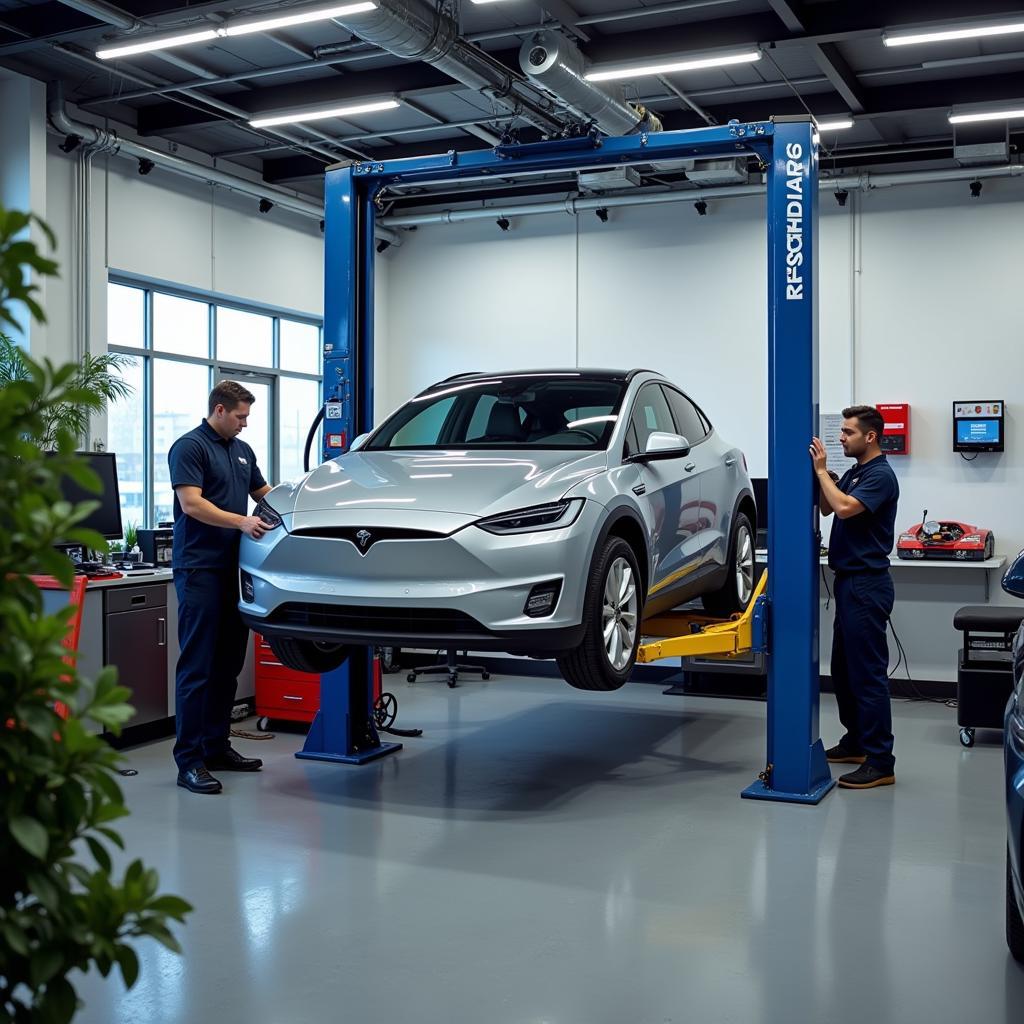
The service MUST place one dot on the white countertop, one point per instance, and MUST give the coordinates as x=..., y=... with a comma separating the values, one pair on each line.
x=137, y=578
x=996, y=562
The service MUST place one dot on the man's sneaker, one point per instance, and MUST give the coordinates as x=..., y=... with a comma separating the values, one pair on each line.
x=840, y=755
x=866, y=777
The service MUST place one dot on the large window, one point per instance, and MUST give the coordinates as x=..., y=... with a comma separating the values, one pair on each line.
x=178, y=345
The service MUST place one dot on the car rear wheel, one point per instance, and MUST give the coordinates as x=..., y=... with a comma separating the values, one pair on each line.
x=1014, y=922
x=314, y=656
x=612, y=612
x=739, y=583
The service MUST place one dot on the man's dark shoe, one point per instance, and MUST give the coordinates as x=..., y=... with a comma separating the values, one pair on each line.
x=232, y=761
x=198, y=780
x=840, y=755
x=867, y=776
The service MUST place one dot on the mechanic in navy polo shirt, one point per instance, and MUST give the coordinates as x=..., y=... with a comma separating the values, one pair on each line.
x=214, y=474
x=864, y=502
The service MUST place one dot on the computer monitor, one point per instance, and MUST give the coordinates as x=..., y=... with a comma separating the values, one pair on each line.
x=978, y=426
x=105, y=520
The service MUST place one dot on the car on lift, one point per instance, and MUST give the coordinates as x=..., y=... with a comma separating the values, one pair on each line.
x=1013, y=756
x=543, y=513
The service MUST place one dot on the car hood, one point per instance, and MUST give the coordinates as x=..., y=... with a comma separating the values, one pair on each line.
x=469, y=484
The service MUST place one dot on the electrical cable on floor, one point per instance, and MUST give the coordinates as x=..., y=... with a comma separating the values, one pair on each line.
x=244, y=734
x=915, y=694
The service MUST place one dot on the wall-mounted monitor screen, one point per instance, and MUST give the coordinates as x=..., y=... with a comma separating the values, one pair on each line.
x=978, y=426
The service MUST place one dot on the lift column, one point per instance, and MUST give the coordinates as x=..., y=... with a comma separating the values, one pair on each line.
x=343, y=730
x=796, y=768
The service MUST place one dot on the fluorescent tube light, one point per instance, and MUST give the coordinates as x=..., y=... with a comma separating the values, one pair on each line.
x=321, y=114
x=161, y=43
x=986, y=115
x=299, y=18
x=840, y=124
x=671, y=67
x=240, y=28
x=946, y=35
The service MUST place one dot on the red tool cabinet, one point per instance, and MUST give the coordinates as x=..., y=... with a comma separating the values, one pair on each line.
x=281, y=692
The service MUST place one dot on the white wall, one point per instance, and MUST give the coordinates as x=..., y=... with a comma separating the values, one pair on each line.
x=930, y=305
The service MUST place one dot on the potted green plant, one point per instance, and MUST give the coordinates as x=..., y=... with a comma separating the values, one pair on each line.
x=63, y=907
x=128, y=542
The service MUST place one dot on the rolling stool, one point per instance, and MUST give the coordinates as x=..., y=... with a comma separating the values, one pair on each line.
x=984, y=676
x=451, y=667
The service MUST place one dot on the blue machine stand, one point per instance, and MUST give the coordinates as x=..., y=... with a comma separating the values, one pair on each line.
x=343, y=730
x=796, y=770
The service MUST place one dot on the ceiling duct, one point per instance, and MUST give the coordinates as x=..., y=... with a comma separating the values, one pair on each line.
x=727, y=171
x=557, y=66
x=414, y=30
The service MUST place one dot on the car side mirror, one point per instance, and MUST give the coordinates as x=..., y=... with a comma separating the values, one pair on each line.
x=1013, y=578
x=358, y=442
x=663, y=445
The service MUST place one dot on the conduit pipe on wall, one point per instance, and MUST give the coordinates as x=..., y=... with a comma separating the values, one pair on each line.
x=863, y=182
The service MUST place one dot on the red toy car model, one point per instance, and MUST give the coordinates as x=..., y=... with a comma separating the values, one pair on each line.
x=946, y=540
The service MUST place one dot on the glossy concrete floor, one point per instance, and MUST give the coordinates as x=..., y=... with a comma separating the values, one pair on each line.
x=543, y=855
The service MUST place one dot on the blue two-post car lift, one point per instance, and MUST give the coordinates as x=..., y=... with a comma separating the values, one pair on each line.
x=796, y=769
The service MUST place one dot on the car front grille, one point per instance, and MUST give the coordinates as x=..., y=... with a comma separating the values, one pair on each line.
x=367, y=619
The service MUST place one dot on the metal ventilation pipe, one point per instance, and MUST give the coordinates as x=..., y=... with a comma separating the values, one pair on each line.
x=557, y=66
x=414, y=30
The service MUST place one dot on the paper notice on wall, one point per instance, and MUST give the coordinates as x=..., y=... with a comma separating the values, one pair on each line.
x=829, y=425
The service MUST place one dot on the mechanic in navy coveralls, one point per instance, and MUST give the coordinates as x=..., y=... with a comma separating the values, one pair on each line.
x=864, y=502
x=214, y=474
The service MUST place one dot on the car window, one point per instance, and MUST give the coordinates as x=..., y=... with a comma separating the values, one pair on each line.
x=651, y=413
x=689, y=422
x=553, y=410
x=424, y=429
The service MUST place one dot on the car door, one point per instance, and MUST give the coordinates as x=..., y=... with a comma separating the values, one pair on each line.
x=710, y=516
x=671, y=494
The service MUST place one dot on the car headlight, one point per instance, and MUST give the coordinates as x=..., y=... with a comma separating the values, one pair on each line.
x=971, y=538
x=538, y=517
x=271, y=520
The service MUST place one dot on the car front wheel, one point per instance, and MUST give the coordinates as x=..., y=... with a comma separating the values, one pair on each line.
x=314, y=656
x=612, y=611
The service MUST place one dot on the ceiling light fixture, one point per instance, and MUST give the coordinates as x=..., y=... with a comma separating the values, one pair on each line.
x=671, y=67
x=161, y=43
x=986, y=115
x=838, y=125
x=951, y=34
x=240, y=28
x=243, y=28
x=321, y=114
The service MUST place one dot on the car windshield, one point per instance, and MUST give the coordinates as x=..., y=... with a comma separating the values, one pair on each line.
x=551, y=411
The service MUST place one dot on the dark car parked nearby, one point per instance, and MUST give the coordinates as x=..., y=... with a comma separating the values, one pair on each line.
x=1013, y=746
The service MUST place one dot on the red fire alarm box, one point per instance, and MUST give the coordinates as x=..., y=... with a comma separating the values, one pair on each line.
x=896, y=435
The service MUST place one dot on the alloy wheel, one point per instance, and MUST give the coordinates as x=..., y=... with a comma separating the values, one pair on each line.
x=619, y=613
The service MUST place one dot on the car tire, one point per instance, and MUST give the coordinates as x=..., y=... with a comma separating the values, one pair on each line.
x=595, y=665
x=735, y=595
x=1014, y=922
x=315, y=656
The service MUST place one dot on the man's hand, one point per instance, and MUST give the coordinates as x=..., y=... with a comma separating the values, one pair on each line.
x=253, y=526
x=819, y=457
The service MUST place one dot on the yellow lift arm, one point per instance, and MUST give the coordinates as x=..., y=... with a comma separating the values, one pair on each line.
x=689, y=635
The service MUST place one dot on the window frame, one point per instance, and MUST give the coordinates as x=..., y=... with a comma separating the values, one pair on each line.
x=147, y=354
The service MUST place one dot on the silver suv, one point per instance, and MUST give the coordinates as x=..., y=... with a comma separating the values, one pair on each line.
x=542, y=512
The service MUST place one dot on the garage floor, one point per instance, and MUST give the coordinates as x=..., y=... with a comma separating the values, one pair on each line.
x=542, y=855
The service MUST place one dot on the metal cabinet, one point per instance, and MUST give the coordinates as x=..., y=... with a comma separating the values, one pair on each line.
x=135, y=641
